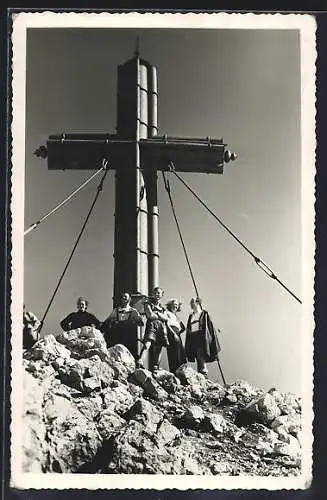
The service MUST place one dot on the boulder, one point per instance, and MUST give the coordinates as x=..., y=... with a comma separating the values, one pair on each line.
x=291, y=449
x=120, y=361
x=288, y=423
x=87, y=375
x=47, y=349
x=135, y=452
x=215, y=423
x=117, y=399
x=39, y=369
x=84, y=342
x=166, y=432
x=143, y=411
x=192, y=418
x=216, y=394
x=72, y=438
x=108, y=423
x=262, y=410
x=168, y=381
x=263, y=444
x=150, y=386
x=241, y=392
x=34, y=445
x=90, y=407
x=188, y=376
x=290, y=405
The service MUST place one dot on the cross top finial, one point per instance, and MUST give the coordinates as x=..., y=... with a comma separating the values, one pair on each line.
x=137, y=47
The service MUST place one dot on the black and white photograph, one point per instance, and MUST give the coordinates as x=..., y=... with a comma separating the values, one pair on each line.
x=163, y=189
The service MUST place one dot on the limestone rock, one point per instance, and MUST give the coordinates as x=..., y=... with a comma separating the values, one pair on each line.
x=121, y=361
x=263, y=410
x=143, y=411
x=192, y=417
x=34, y=445
x=241, y=392
x=87, y=410
x=87, y=375
x=168, y=381
x=135, y=390
x=188, y=376
x=90, y=407
x=109, y=423
x=166, y=432
x=117, y=399
x=216, y=394
x=72, y=438
x=39, y=369
x=215, y=422
x=291, y=449
x=135, y=452
x=287, y=423
x=260, y=438
x=84, y=342
x=47, y=349
x=150, y=386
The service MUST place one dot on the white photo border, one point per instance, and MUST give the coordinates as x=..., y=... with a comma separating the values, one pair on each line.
x=307, y=27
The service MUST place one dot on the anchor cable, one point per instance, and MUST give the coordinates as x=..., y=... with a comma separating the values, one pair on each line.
x=264, y=267
x=99, y=189
x=167, y=186
x=37, y=223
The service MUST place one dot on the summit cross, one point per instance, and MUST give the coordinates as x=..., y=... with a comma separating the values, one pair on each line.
x=136, y=152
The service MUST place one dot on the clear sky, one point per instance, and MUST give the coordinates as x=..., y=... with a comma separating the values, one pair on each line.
x=243, y=85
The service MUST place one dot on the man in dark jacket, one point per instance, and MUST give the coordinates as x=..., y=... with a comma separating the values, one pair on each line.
x=201, y=343
x=80, y=318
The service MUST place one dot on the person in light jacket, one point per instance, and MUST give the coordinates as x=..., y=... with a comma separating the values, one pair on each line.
x=201, y=342
x=175, y=327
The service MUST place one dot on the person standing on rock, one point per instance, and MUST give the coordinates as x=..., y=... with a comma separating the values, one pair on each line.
x=31, y=324
x=155, y=330
x=80, y=318
x=201, y=342
x=117, y=327
x=175, y=350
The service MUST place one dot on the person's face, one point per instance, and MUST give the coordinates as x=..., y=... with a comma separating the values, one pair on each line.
x=158, y=293
x=125, y=299
x=174, y=305
x=194, y=304
x=82, y=305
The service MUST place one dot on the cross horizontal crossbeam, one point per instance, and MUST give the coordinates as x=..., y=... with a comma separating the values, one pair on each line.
x=85, y=151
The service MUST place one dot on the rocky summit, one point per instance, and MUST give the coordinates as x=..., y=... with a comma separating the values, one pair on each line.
x=87, y=409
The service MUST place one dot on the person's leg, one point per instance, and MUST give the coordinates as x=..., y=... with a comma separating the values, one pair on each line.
x=156, y=356
x=171, y=355
x=140, y=360
x=200, y=360
x=173, y=351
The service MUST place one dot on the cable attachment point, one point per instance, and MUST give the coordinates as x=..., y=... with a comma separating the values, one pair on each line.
x=266, y=269
x=105, y=163
x=171, y=166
